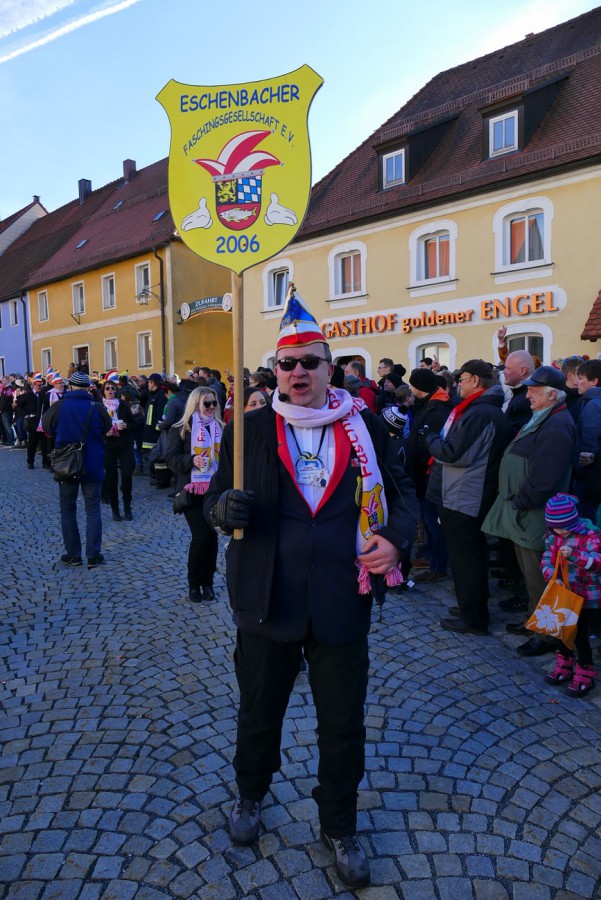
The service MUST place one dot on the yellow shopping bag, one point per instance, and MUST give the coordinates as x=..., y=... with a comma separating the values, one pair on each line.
x=556, y=614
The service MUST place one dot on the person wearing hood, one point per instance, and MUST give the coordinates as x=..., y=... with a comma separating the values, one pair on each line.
x=535, y=466
x=463, y=484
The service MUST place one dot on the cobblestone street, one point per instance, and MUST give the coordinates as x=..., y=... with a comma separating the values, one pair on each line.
x=118, y=723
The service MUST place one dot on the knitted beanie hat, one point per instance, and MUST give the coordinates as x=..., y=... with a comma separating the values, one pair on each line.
x=395, y=419
x=561, y=511
x=424, y=380
x=79, y=379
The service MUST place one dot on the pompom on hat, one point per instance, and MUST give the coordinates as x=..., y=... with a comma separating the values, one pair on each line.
x=298, y=327
x=561, y=511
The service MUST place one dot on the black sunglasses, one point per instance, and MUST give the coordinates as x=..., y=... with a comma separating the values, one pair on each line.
x=209, y=403
x=288, y=363
x=107, y=388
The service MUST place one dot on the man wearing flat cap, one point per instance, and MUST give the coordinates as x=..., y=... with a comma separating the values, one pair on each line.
x=463, y=485
x=536, y=465
x=326, y=512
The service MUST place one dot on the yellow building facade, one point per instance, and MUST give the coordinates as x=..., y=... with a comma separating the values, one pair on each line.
x=369, y=289
x=111, y=317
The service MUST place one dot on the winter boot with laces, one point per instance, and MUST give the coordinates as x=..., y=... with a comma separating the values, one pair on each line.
x=350, y=859
x=562, y=671
x=244, y=820
x=583, y=681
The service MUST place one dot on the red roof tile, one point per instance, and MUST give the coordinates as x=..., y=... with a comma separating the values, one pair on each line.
x=121, y=227
x=569, y=134
x=592, y=329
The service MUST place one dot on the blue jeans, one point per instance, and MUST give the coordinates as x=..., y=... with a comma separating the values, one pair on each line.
x=91, y=492
x=7, y=419
x=436, y=538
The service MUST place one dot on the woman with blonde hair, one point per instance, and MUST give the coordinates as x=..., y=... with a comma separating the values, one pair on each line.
x=192, y=453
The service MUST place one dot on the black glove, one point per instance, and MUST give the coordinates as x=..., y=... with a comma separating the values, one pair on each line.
x=232, y=510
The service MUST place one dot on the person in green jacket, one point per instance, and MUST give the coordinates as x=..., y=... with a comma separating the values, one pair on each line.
x=536, y=465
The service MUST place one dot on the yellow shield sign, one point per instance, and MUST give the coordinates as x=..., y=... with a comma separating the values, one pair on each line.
x=240, y=165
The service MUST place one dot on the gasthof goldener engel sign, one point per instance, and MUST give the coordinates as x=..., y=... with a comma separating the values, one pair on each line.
x=240, y=165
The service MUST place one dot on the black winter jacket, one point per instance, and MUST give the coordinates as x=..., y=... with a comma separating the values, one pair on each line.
x=292, y=566
x=429, y=415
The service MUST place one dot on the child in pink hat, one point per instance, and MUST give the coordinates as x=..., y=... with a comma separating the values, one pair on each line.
x=579, y=541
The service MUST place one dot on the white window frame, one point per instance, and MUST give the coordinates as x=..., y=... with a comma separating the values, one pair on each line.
x=78, y=292
x=335, y=257
x=529, y=330
x=507, y=148
x=141, y=337
x=419, y=284
x=46, y=358
x=506, y=271
x=13, y=313
x=75, y=355
x=142, y=282
x=106, y=280
x=43, y=306
x=416, y=346
x=269, y=273
x=395, y=181
x=112, y=362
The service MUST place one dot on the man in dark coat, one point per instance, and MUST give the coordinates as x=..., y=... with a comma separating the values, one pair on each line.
x=68, y=420
x=154, y=411
x=315, y=467
x=431, y=409
x=34, y=407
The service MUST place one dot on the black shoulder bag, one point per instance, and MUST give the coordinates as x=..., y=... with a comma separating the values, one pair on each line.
x=67, y=461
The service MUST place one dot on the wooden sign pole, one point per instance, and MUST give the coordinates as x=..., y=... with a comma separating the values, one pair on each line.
x=238, y=334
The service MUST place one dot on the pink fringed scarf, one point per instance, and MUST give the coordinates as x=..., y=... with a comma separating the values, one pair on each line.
x=205, y=441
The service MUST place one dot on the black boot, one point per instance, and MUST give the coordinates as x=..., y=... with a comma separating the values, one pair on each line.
x=116, y=514
x=195, y=595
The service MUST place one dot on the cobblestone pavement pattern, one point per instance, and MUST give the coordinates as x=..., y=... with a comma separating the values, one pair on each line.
x=119, y=715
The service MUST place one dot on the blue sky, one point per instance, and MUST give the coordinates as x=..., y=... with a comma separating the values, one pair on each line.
x=78, y=78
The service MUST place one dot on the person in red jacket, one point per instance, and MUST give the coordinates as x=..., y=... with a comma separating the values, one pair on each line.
x=369, y=389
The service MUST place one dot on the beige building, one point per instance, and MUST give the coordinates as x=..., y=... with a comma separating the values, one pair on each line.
x=474, y=207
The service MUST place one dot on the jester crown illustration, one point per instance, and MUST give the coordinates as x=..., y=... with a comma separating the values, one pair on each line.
x=238, y=177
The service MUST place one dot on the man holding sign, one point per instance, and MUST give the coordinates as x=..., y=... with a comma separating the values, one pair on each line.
x=326, y=511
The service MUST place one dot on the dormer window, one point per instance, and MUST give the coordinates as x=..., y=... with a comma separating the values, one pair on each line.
x=393, y=168
x=503, y=133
